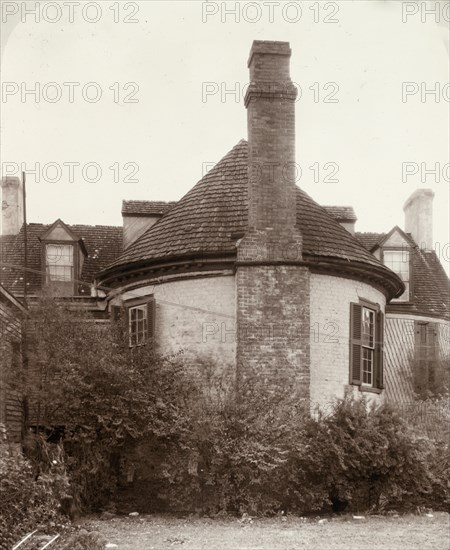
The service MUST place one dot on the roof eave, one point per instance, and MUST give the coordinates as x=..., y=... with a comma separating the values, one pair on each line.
x=385, y=279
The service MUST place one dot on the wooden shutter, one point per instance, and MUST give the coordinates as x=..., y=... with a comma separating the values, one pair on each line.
x=421, y=357
x=431, y=354
x=355, y=344
x=379, y=351
x=151, y=309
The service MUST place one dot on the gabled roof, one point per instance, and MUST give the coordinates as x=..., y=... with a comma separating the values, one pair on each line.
x=210, y=218
x=103, y=245
x=145, y=208
x=370, y=240
x=430, y=284
x=342, y=213
x=47, y=234
x=396, y=229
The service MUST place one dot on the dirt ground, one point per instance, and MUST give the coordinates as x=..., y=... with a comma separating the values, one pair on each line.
x=291, y=533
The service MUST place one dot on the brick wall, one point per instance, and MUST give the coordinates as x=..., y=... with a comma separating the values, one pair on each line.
x=196, y=316
x=273, y=321
x=330, y=331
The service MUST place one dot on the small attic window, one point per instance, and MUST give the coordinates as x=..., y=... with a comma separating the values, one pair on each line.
x=59, y=263
x=399, y=262
x=62, y=258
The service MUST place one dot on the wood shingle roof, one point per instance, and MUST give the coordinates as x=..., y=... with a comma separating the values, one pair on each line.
x=430, y=284
x=103, y=244
x=210, y=218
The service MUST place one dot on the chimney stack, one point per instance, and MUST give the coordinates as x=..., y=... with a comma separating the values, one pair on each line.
x=272, y=282
x=270, y=102
x=12, y=205
x=419, y=218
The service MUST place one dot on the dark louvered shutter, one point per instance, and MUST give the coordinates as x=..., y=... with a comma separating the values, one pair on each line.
x=151, y=320
x=355, y=344
x=379, y=351
x=432, y=358
x=421, y=375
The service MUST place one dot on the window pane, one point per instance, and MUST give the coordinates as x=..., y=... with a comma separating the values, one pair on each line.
x=367, y=366
x=368, y=327
x=59, y=259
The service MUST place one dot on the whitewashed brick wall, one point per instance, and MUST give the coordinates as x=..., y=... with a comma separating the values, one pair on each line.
x=196, y=316
x=330, y=331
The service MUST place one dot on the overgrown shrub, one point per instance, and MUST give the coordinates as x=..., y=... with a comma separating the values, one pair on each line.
x=198, y=440
x=259, y=452
x=96, y=395
x=27, y=501
x=362, y=457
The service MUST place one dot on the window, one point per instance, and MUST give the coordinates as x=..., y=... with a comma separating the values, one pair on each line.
x=399, y=262
x=138, y=318
x=59, y=263
x=137, y=325
x=366, y=346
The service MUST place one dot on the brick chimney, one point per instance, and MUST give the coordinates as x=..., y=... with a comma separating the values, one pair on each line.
x=419, y=218
x=12, y=205
x=272, y=283
x=344, y=215
x=270, y=102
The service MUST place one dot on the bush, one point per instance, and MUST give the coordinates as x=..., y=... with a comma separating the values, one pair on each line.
x=259, y=452
x=363, y=458
x=228, y=456
x=199, y=441
x=27, y=501
x=98, y=396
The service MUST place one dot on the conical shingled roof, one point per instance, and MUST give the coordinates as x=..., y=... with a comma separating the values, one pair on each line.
x=213, y=214
x=203, y=220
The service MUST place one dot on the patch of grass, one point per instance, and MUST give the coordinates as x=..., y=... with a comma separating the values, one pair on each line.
x=290, y=533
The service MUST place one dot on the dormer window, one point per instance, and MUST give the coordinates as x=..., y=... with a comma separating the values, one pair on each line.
x=59, y=263
x=399, y=262
x=63, y=253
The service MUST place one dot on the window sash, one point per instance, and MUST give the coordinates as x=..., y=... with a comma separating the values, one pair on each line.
x=367, y=366
x=59, y=262
x=368, y=327
x=138, y=325
x=366, y=346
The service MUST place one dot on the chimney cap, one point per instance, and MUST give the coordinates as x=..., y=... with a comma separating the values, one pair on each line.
x=418, y=193
x=10, y=180
x=270, y=47
x=342, y=213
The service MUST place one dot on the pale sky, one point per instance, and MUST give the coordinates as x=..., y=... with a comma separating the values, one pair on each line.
x=173, y=130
